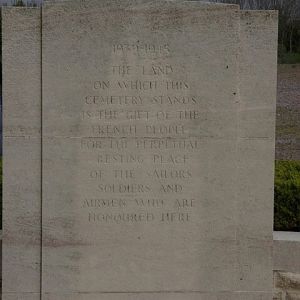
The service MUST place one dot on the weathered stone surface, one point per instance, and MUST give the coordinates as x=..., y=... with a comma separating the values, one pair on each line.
x=256, y=144
x=286, y=264
x=292, y=296
x=205, y=248
x=277, y=296
x=287, y=280
x=151, y=252
x=21, y=34
x=164, y=296
x=287, y=251
x=157, y=150
x=287, y=285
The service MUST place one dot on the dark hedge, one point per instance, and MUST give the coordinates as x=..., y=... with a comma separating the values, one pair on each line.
x=287, y=196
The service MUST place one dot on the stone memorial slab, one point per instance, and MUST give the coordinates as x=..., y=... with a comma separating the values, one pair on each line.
x=21, y=61
x=257, y=109
x=157, y=148
x=141, y=146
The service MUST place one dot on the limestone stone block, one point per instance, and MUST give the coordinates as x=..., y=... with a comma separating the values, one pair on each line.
x=292, y=295
x=278, y=296
x=287, y=280
x=287, y=252
x=21, y=56
x=146, y=151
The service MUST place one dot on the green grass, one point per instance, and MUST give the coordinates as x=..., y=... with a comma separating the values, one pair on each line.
x=288, y=130
x=287, y=122
x=287, y=196
x=289, y=58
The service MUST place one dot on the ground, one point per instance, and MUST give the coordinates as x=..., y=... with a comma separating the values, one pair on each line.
x=288, y=113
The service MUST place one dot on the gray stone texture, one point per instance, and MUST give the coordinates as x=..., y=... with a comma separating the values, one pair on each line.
x=287, y=265
x=287, y=285
x=219, y=245
x=256, y=123
x=287, y=252
x=22, y=153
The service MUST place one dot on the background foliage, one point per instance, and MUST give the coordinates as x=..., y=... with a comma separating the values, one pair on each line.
x=287, y=196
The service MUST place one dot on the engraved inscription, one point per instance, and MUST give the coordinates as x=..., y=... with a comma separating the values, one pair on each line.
x=135, y=115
